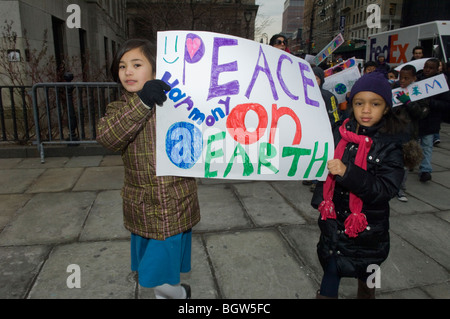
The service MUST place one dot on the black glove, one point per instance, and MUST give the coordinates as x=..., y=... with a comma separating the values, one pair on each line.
x=153, y=93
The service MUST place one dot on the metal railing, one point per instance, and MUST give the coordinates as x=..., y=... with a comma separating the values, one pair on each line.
x=15, y=122
x=68, y=113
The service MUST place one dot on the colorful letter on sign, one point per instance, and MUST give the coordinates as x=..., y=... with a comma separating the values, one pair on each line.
x=329, y=49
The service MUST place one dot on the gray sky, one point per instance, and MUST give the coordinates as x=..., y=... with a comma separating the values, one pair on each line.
x=272, y=9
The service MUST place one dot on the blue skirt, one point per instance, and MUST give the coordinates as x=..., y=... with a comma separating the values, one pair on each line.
x=160, y=262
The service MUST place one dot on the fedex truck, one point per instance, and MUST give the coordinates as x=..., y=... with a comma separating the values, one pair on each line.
x=397, y=45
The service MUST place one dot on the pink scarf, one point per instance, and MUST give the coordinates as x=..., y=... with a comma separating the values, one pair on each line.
x=356, y=222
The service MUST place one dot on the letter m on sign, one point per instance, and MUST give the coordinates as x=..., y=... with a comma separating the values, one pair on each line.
x=427, y=86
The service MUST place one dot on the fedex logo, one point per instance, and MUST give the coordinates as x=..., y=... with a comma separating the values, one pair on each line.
x=394, y=53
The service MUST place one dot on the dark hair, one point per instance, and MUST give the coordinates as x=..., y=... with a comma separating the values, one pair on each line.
x=435, y=61
x=417, y=48
x=394, y=124
x=394, y=71
x=147, y=47
x=274, y=38
x=410, y=68
x=369, y=63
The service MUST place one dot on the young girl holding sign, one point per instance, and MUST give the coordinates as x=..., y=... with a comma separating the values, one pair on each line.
x=158, y=211
x=354, y=201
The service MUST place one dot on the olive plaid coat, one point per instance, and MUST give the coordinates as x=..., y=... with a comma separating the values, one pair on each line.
x=154, y=207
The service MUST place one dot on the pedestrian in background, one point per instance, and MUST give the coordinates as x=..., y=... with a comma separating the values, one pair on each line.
x=411, y=112
x=369, y=67
x=441, y=70
x=393, y=77
x=382, y=66
x=417, y=53
x=279, y=41
x=431, y=124
x=330, y=99
x=365, y=175
x=158, y=211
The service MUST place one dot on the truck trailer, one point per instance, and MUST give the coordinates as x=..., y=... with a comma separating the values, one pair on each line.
x=397, y=45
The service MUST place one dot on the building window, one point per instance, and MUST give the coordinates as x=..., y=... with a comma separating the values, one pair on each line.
x=392, y=9
x=58, y=27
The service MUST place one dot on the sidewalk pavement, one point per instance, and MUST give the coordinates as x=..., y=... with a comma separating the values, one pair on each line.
x=255, y=240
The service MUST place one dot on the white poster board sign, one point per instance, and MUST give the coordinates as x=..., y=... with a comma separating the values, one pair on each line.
x=238, y=109
x=341, y=83
x=418, y=64
x=341, y=66
x=422, y=89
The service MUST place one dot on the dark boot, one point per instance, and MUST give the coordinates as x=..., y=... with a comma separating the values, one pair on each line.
x=319, y=296
x=365, y=292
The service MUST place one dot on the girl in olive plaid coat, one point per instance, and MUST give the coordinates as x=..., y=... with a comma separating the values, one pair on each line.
x=158, y=211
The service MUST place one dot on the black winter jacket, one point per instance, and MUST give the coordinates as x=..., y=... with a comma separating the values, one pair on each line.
x=330, y=99
x=431, y=124
x=439, y=106
x=376, y=187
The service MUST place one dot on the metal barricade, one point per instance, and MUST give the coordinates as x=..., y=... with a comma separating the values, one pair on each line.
x=68, y=113
x=14, y=119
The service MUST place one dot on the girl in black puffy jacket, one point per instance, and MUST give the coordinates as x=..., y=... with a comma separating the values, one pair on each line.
x=365, y=174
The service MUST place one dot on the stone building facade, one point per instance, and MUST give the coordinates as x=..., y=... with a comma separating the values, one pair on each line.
x=77, y=36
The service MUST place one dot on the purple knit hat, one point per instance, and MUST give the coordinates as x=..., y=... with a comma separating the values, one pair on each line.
x=374, y=82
